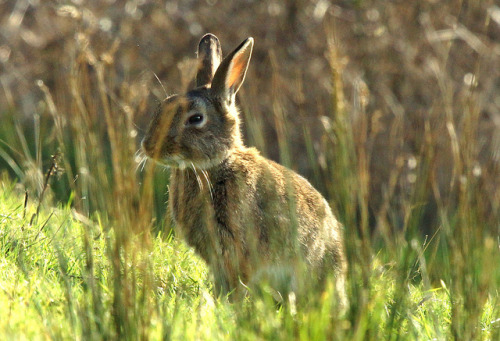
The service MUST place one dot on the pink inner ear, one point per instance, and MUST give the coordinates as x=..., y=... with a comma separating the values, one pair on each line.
x=236, y=71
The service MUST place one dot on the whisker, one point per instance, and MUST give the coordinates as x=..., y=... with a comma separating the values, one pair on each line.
x=159, y=81
x=140, y=158
x=197, y=177
x=209, y=183
x=138, y=128
x=144, y=161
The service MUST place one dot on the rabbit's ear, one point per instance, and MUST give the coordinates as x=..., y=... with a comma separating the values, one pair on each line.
x=231, y=72
x=209, y=57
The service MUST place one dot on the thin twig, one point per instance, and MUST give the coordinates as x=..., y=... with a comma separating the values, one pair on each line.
x=52, y=170
x=26, y=195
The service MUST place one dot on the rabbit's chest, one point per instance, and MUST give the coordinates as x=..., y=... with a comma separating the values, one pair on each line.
x=200, y=212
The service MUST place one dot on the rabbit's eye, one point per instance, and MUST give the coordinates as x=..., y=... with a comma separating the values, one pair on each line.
x=195, y=119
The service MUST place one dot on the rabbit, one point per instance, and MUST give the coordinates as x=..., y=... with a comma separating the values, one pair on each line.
x=251, y=219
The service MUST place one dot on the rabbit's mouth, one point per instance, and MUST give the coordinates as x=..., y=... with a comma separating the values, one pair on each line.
x=174, y=161
x=177, y=161
x=183, y=161
x=169, y=160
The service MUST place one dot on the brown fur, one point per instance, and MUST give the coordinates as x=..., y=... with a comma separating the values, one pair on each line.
x=249, y=218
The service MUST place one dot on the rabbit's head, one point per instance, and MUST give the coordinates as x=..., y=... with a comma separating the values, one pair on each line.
x=200, y=128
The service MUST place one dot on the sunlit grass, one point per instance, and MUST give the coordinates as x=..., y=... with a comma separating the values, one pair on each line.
x=50, y=291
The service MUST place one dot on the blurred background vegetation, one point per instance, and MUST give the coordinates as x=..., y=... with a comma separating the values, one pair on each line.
x=419, y=81
x=390, y=108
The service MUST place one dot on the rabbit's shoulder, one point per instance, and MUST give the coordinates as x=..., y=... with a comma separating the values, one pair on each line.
x=271, y=181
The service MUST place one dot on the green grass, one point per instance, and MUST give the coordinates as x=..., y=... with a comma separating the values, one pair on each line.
x=59, y=280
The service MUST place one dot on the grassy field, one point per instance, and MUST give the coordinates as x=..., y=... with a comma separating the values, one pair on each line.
x=62, y=277
x=391, y=109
